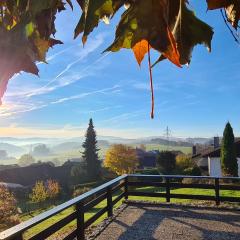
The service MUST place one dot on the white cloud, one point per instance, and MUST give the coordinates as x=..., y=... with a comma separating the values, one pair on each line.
x=17, y=100
x=63, y=78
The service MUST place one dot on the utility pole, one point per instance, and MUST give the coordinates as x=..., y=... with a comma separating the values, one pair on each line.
x=167, y=134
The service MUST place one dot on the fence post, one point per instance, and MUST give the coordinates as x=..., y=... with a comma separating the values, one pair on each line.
x=217, y=188
x=167, y=189
x=80, y=221
x=126, y=187
x=109, y=202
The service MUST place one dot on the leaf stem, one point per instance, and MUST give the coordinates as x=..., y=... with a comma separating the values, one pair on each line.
x=151, y=81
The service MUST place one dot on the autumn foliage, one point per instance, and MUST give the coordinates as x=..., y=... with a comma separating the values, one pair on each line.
x=121, y=159
x=53, y=189
x=27, y=29
x=41, y=192
x=8, y=207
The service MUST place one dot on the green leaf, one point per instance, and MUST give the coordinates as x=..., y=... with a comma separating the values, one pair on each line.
x=29, y=29
x=93, y=12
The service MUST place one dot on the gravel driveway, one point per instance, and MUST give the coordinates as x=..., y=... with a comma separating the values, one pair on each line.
x=146, y=221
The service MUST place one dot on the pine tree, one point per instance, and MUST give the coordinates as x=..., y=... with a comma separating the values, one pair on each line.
x=90, y=153
x=228, y=152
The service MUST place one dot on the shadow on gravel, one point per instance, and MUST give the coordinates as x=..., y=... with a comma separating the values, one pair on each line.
x=191, y=223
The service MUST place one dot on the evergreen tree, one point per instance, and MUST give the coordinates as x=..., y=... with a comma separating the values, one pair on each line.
x=90, y=153
x=228, y=152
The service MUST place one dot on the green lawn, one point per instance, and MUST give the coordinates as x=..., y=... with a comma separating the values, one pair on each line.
x=72, y=225
x=189, y=191
x=38, y=228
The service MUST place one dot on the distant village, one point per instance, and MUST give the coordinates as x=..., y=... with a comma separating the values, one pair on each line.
x=207, y=158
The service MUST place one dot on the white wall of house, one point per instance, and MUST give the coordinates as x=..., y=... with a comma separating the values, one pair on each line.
x=238, y=166
x=214, y=167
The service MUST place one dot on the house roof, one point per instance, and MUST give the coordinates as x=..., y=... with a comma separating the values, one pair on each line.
x=217, y=152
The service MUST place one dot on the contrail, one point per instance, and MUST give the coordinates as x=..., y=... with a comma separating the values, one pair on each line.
x=65, y=70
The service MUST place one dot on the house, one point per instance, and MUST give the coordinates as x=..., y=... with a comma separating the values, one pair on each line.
x=147, y=159
x=210, y=160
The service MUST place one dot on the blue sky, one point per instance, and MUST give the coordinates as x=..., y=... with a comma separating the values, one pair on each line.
x=79, y=83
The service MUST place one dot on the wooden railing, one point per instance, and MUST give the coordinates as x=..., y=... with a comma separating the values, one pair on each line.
x=169, y=182
x=126, y=183
x=82, y=204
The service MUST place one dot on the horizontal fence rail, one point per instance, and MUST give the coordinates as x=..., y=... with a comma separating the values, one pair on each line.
x=169, y=182
x=82, y=204
x=127, y=183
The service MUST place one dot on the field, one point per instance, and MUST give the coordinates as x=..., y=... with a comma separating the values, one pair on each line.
x=72, y=225
x=159, y=147
x=63, y=157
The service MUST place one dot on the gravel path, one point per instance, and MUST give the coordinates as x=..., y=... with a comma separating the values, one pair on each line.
x=150, y=222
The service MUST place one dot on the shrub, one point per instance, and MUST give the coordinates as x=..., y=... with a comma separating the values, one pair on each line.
x=8, y=207
x=184, y=161
x=192, y=171
x=152, y=171
x=39, y=193
x=78, y=174
x=80, y=191
x=166, y=162
x=53, y=189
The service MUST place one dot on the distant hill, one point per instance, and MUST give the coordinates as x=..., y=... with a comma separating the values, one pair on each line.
x=171, y=143
x=15, y=147
x=65, y=147
x=71, y=146
x=199, y=140
x=12, y=150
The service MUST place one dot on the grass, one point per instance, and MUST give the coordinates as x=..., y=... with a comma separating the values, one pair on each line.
x=71, y=226
x=68, y=228
x=189, y=191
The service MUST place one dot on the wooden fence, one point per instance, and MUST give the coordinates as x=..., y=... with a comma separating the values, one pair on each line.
x=126, y=183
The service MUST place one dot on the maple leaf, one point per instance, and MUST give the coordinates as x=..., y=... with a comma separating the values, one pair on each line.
x=25, y=40
x=232, y=9
x=14, y=59
x=145, y=20
x=188, y=31
x=140, y=49
x=70, y=3
x=93, y=12
x=167, y=26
